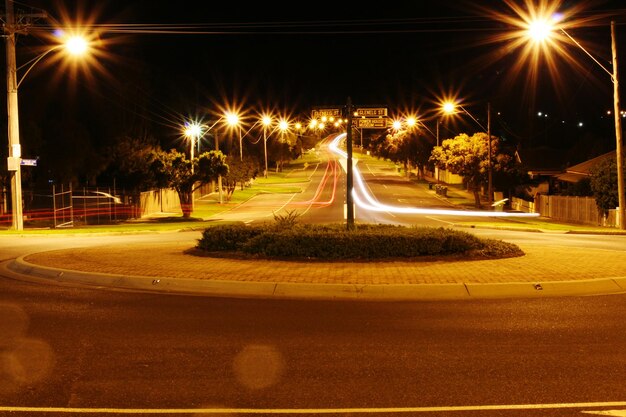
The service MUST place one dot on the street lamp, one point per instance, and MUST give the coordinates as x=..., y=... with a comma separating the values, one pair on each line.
x=541, y=30
x=233, y=121
x=267, y=122
x=192, y=131
x=73, y=45
x=449, y=108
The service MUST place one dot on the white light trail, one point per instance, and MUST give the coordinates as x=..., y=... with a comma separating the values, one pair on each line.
x=374, y=205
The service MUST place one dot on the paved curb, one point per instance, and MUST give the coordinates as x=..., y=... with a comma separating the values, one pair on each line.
x=278, y=290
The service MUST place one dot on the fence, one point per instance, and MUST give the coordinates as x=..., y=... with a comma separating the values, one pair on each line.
x=164, y=201
x=582, y=210
x=64, y=206
x=159, y=201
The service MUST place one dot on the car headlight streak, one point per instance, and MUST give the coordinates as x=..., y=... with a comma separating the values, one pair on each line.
x=373, y=205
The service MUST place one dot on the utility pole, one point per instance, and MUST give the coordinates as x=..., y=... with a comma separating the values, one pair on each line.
x=15, y=151
x=618, y=134
x=349, y=174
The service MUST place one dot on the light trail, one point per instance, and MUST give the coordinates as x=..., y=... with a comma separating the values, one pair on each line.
x=372, y=205
x=331, y=172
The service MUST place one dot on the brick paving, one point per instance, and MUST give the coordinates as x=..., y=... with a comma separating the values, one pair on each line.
x=539, y=264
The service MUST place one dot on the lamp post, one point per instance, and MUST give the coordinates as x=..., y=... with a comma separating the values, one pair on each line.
x=233, y=121
x=283, y=127
x=449, y=108
x=192, y=131
x=267, y=121
x=539, y=31
x=220, y=191
x=74, y=45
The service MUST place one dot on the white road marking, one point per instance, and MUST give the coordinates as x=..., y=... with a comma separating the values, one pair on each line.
x=323, y=410
x=439, y=220
x=607, y=412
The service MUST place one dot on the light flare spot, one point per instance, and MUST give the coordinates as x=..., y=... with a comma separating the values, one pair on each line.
x=258, y=366
x=13, y=324
x=28, y=362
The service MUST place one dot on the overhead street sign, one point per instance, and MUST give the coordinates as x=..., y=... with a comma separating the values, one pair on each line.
x=371, y=112
x=379, y=123
x=330, y=112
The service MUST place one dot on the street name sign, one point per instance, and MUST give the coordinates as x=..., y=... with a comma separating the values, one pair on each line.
x=369, y=123
x=29, y=162
x=329, y=112
x=371, y=112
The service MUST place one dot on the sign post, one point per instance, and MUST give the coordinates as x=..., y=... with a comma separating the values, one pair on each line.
x=349, y=174
x=360, y=118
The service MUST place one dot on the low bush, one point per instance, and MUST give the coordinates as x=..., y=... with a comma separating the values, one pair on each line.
x=227, y=237
x=365, y=242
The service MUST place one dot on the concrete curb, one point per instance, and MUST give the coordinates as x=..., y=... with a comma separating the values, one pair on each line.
x=277, y=290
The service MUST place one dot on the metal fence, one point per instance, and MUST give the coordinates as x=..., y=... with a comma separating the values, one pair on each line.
x=65, y=206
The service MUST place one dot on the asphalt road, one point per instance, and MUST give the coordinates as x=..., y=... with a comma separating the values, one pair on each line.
x=85, y=348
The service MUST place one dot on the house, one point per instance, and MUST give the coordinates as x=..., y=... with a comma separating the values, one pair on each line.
x=542, y=164
x=583, y=170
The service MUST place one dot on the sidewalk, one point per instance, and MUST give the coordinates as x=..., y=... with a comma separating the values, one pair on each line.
x=543, y=271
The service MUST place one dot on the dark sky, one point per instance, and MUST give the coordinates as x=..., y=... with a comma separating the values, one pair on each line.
x=405, y=55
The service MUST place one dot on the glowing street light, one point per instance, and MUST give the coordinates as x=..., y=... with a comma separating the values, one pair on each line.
x=540, y=30
x=76, y=45
x=15, y=154
x=283, y=125
x=448, y=107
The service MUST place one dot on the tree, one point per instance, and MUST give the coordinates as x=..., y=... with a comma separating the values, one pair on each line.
x=173, y=170
x=404, y=147
x=604, y=184
x=239, y=172
x=130, y=163
x=468, y=156
x=281, y=150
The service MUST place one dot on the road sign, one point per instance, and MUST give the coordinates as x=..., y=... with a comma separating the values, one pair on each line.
x=29, y=162
x=379, y=123
x=330, y=112
x=371, y=112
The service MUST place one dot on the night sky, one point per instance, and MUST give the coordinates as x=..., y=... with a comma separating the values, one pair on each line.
x=406, y=55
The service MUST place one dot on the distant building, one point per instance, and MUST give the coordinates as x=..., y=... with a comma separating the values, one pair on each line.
x=583, y=170
x=542, y=165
